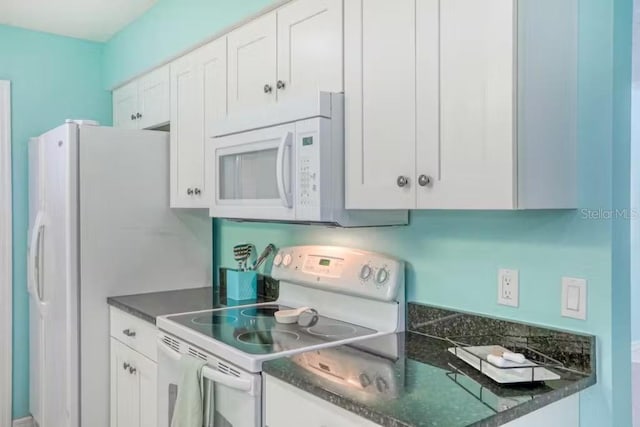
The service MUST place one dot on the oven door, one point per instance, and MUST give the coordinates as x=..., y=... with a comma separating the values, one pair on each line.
x=230, y=399
x=254, y=178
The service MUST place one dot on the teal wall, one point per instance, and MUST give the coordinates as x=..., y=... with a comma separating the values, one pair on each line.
x=453, y=257
x=53, y=78
x=170, y=27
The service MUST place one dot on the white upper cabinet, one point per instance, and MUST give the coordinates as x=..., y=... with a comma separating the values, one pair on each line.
x=309, y=48
x=154, y=98
x=125, y=106
x=380, y=79
x=252, y=64
x=289, y=53
x=199, y=92
x=143, y=103
x=481, y=112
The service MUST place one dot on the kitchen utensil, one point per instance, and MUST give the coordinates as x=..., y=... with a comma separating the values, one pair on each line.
x=290, y=316
x=241, y=254
x=263, y=256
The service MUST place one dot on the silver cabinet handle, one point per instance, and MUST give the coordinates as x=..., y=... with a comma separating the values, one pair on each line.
x=268, y=88
x=133, y=117
x=403, y=181
x=132, y=370
x=138, y=116
x=125, y=366
x=190, y=191
x=129, y=333
x=281, y=85
x=424, y=180
x=197, y=192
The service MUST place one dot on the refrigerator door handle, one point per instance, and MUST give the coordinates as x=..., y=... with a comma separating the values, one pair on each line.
x=34, y=267
x=34, y=249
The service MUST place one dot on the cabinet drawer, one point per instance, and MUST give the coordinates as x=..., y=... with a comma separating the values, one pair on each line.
x=136, y=333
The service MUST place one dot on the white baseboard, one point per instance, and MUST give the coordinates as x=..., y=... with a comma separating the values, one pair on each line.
x=23, y=422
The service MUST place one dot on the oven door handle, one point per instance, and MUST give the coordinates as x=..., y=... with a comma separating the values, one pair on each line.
x=281, y=179
x=224, y=379
x=214, y=375
x=168, y=351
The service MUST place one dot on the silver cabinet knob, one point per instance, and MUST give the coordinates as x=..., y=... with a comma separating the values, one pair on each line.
x=281, y=84
x=197, y=191
x=190, y=191
x=424, y=180
x=132, y=370
x=268, y=88
x=403, y=181
x=125, y=366
x=138, y=116
x=129, y=333
x=133, y=117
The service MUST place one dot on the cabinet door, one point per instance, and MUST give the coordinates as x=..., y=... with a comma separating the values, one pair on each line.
x=252, y=64
x=154, y=99
x=199, y=98
x=380, y=88
x=123, y=390
x=310, y=48
x=125, y=106
x=145, y=380
x=476, y=166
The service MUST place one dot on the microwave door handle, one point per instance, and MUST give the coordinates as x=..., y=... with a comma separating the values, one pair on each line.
x=281, y=179
x=227, y=380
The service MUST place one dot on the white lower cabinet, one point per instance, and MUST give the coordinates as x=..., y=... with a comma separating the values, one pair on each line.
x=288, y=406
x=133, y=380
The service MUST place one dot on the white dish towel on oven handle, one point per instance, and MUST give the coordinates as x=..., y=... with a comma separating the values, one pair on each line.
x=189, y=409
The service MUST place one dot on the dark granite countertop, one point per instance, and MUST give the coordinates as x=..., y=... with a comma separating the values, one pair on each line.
x=151, y=305
x=410, y=379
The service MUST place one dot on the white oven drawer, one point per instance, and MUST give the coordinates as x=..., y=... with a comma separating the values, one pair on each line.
x=136, y=333
x=288, y=406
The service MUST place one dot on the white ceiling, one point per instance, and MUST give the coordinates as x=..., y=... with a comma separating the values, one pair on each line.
x=96, y=20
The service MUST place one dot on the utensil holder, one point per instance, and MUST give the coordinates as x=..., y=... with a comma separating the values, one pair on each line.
x=242, y=285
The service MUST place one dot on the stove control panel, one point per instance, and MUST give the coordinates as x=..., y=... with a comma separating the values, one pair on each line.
x=343, y=270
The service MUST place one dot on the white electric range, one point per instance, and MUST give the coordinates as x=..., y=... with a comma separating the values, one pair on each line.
x=358, y=295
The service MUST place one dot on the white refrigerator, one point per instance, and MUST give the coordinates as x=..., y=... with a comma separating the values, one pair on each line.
x=100, y=225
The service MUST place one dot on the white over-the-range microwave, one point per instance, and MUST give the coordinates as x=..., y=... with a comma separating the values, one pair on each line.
x=286, y=163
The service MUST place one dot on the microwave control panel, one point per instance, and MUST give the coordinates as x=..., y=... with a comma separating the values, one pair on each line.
x=309, y=177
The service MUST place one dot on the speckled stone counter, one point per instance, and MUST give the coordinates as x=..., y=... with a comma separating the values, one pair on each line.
x=411, y=379
x=151, y=305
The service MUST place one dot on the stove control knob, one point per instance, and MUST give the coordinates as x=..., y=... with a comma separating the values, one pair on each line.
x=382, y=385
x=382, y=276
x=286, y=261
x=365, y=381
x=366, y=271
x=277, y=260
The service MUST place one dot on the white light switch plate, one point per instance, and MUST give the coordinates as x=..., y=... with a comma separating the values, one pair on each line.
x=508, y=288
x=574, y=298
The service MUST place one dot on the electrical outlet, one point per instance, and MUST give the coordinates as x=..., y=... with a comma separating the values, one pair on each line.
x=508, y=288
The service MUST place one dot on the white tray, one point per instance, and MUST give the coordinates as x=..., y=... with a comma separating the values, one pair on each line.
x=525, y=372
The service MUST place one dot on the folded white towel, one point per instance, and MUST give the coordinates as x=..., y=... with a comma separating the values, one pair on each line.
x=188, y=411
